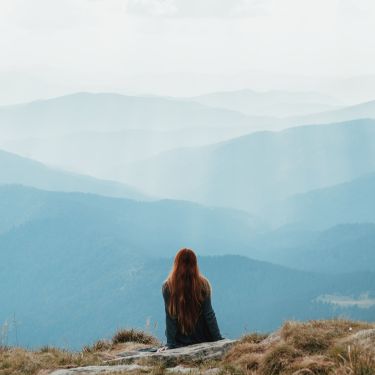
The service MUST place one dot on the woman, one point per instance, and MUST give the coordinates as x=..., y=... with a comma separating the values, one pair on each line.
x=190, y=318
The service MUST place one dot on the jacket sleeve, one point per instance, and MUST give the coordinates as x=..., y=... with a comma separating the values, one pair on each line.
x=170, y=323
x=210, y=317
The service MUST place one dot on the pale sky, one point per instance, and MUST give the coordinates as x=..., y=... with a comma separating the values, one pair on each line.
x=49, y=47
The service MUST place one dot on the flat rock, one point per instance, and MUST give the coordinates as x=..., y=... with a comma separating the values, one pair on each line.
x=365, y=334
x=196, y=352
x=364, y=338
x=169, y=358
x=192, y=370
x=181, y=370
x=272, y=338
x=94, y=370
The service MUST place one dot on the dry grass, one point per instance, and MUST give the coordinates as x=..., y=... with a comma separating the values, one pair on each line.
x=98, y=346
x=318, y=347
x=353, y=360
x=133, y=335
x=316, y=336
x=278, y=359
x=314, y=364
x=17, y=361
x=229, y=369
x=253, y=338
x=246, y=355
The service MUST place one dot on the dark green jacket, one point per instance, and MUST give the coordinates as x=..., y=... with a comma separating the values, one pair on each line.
x=206, y=328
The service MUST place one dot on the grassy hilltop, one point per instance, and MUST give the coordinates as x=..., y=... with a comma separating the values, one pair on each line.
x=337, y=347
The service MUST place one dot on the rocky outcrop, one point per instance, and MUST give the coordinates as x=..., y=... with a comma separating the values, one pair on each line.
x=195, y=353
x=99, y=370
x=364, y=338
x=125, y=361
x=96, y=370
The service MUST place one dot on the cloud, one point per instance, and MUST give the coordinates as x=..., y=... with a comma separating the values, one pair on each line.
x=152, y=7
x=198, y=8
x=42, y=14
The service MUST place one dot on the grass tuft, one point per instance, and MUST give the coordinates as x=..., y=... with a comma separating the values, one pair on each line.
x=17, y=361
x=278, y=359
x=254, y=338
x=133, y=335
x=353, y=360
x=98, y=346
x=317, y=336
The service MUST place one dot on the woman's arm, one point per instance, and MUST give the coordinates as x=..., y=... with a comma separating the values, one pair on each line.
x=170, y=323
x=210, y=317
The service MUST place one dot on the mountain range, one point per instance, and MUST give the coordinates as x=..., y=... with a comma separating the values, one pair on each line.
x=341, y=248
x=348, y=202
x=255, y=171
x=112, y=112
x=282, y=221
x=277, y=104
x=15, y=169
x=98, y=133
x=74, y=268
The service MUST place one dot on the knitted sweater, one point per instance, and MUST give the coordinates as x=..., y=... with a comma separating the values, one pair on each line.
x=206, y=328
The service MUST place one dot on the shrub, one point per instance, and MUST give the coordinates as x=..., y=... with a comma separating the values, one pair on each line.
x=278, y=359
x=315, y=364
x=17, y=361
x=316, y=336
x=353, y=360
x=98, y=346
x=133, y=335
x=254, y=338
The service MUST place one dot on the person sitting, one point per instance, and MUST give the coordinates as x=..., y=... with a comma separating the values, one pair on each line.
x=190, y=318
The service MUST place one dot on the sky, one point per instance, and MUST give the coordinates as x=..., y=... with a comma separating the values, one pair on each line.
x=180, y=47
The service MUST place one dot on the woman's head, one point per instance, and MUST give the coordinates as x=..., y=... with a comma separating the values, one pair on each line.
x=188, y=288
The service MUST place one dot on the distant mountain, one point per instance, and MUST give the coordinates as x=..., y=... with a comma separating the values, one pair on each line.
x=18, y=170
x=114, y=112
x=99, y=153
x=359, y=111
x=269, y=103
x=349, y=202
x=255, y=171
x=153, y=228
x=96, y=133
x=74, y=267
x=71, y=295
x=342, y=248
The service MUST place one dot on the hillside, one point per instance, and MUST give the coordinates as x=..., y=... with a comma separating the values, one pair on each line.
x=358, y=111
x=15, y=169
x=348, y=202
x=269, y=103
x=99, y=152
x=97, y=133
x=113, y=112
x=94, y=133
x=164, y=222
x=341, y=248
x=255, y=171
x=84, y=255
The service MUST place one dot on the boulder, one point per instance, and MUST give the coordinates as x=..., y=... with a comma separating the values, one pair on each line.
x=96, y=370
x=171, y=357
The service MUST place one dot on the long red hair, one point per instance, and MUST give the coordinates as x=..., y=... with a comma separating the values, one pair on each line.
x=188, y=288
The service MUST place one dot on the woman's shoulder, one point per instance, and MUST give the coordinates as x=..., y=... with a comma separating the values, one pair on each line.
x=164, y=287
x=206, y=286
